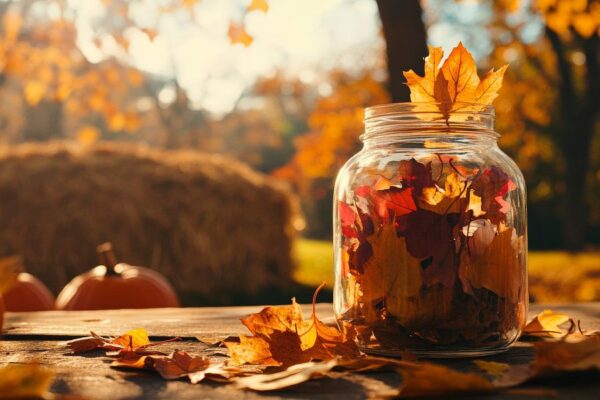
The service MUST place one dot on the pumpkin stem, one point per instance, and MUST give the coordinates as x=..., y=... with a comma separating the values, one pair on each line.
x=107, y=257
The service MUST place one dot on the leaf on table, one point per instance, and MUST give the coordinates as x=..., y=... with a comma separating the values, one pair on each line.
x=555, y=357
x=492, y=368
x=135, y=341
x=179, y=364
x=291, y=376
x=281, y=337
x=428, y=380
x=19, y=381
x=546, y=325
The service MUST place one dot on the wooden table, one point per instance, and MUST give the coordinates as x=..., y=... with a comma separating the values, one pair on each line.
x=38, y=336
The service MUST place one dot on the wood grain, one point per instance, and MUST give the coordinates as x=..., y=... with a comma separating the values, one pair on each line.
x=39, y=336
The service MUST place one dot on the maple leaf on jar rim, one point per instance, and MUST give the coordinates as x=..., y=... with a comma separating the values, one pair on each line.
x=454, y=86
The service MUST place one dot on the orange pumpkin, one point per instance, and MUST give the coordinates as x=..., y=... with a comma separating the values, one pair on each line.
x=116, y=285
x=28, y=293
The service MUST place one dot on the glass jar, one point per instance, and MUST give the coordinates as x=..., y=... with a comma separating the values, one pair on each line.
x=430, y=235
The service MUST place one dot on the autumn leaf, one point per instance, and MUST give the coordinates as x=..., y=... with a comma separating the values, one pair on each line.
x=179, y=364
x=258, y=5
x=237, y=34
x=283, y=338
x=391, y=271
x=428, y=380
x=497, y=267
x=422, y=89
x=134, y=342
x=546, y=325
x=555, y=357
x=291, y=376
x=24, y=381
x=455, y=85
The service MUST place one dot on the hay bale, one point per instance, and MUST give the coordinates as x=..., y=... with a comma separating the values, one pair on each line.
x=210, y=224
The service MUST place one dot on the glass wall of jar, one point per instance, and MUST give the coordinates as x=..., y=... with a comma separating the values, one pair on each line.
x=430, y=234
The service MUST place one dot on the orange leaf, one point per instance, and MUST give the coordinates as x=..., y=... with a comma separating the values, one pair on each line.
x=283, y=338
x=455, y=82
x=546, y=324
x=258, y=5
x=132, y=339
x=555, y=357
x=237, y=34
x=422, y=88
x=460, y=71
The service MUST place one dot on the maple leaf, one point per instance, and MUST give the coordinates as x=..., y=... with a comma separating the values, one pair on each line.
x=283, y=338
x=258, y=5
x=455, y=85
x=179, y=364
x=25, y=381
x=422, y=89
x=237, y=34
x=134, y=342
x=546, y=325
x=391, y=271
x=497, y=268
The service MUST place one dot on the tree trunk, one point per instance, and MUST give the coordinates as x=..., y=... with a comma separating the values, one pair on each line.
x=577, y=122
x=43, y=121
x=406, y=42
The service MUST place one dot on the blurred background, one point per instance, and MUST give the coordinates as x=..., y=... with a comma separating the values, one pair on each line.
x=202, y=137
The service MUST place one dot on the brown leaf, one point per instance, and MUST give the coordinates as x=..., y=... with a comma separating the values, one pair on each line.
x=552, y=358
x=428, y=380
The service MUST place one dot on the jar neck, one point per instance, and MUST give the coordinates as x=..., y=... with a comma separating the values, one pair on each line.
x=426, y=125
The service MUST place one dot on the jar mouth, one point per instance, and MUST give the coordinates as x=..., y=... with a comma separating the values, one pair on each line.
x=420, y=118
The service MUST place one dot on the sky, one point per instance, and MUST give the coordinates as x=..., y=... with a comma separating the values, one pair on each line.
x=300, y=37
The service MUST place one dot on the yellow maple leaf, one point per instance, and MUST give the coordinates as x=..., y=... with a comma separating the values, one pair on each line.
x=237, y=34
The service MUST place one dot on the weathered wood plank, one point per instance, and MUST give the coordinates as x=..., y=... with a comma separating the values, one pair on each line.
x=191, y=322
x=91, y=375
x=159, y=322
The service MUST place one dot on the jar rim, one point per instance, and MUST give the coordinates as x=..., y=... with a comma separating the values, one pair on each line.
x=415, y=118
x=410, y=108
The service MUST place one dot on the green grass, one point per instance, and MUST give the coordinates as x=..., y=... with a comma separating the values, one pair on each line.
x=555, y=276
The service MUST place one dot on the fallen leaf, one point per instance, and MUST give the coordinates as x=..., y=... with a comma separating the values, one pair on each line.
x=133, y=341
x=292, y=376
x=281, y=337
x=492, y=368
x=20, y=381
x=179, y=364
x=555, y=357
x=428, y=380
x=546, y=325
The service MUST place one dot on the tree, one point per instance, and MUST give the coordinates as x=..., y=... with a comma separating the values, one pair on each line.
x=566, y=62
x=406, y=42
